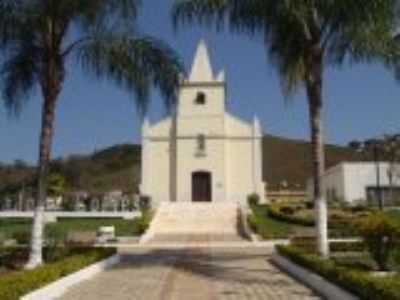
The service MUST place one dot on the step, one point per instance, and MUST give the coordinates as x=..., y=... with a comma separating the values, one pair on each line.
x=195, y=238
x=199, y=222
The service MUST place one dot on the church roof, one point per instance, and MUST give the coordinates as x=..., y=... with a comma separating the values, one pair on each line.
x=201, y=68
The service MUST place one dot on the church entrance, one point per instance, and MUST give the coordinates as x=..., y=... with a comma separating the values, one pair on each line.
x=201, y=187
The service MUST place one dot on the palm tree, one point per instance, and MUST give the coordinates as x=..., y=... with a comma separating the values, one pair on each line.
x=303, y=38
x=38, y=40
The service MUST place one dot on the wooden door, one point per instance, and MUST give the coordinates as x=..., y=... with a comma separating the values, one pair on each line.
x=201, y=187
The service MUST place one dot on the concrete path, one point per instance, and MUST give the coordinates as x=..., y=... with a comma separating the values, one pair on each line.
x=192, y=274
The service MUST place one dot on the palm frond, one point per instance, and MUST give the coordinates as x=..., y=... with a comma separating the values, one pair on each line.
x=136, y=64
x=9, y=20
x=279, y=22
x=101, y=32
x=18, y=77
x=112, y=14
x=205, y=12
x=358, y=30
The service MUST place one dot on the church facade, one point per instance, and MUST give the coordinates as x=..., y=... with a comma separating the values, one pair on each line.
x=202, y=153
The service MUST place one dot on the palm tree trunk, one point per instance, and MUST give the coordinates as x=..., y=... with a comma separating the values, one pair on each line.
x=46, y=137
x=314, y=93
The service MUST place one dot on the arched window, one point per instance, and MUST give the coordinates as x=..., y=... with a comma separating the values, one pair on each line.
x=200, y=98
x=201, y=145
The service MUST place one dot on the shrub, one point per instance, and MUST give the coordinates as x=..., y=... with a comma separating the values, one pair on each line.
x=379, y=233
x=347, y=246
x=2, y=239
x=396, y=258
x=305, y=243
x=54, y=245
x=275, y=211
x=359, y=208
x=310, y=205
x=144, y=222
x=253, y=199
x=309, y=245
x=13, y=258
x=364, y=285
x=16, y=284
x=287, y=210
x=339, y=224
x=144, y=203
x=22, y=237
x=251, y=220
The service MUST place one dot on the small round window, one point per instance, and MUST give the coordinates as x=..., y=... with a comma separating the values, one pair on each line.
x=200, y=98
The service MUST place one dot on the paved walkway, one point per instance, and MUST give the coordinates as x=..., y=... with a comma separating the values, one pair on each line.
x=192, y=274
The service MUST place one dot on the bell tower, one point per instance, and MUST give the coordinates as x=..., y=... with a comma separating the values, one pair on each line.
x=202, y=93
x=200, y=130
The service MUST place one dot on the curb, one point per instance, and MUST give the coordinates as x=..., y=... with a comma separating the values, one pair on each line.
x=59, y=287
x=319, y=284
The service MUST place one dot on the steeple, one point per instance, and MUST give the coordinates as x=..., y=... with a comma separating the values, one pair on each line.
x=201, y=68
x=202, y=93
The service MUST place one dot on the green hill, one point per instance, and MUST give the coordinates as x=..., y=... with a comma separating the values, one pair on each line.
x=114, y=168
x=118, y=167
x=287, y=160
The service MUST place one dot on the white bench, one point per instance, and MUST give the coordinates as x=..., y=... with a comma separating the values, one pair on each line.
x=105, y=234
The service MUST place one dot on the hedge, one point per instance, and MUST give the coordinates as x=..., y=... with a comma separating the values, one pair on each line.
x=309, y=244
x=275, y=212
x=339, y=227
x=360, y=283
x=17, y=284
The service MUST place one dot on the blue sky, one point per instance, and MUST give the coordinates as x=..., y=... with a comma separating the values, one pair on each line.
x=360, y=101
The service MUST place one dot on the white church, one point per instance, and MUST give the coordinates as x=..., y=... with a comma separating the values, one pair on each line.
x=202, y=153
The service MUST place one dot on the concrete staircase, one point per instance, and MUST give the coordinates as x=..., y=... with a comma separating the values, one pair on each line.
x=195, y=223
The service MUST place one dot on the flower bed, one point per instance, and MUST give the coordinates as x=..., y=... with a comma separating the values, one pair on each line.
x=16, y=284
x=363, y=284
x=286, y=214
x=340, y=220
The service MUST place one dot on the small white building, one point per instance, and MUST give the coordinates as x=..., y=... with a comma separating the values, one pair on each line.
x=202, y=153
x=356, y=183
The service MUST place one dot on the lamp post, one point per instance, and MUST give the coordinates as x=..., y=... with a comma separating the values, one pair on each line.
x=374, y=145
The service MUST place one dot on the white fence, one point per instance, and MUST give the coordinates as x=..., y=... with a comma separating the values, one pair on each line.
x=52, y=216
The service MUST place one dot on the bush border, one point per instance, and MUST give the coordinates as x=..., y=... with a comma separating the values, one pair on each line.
x=18, y=285
x=364, y=285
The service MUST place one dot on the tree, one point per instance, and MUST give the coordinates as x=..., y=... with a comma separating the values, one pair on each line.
x=380, y=234
x=40, y=37
x=302, y=38
x=57, y=185
x=20, y=164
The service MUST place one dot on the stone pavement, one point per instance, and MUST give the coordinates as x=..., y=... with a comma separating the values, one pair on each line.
x=192, y=274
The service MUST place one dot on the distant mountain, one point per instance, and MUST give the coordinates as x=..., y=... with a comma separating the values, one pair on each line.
x=114, y=168
x=289, y=161
x=118, y=167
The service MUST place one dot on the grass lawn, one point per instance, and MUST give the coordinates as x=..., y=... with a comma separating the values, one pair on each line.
x=269, y=228
x=10, y=227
